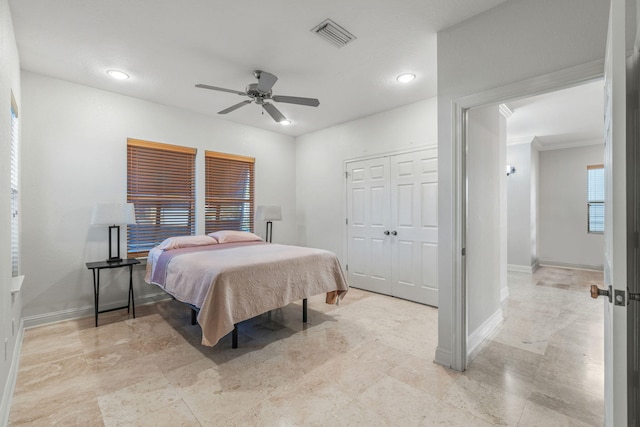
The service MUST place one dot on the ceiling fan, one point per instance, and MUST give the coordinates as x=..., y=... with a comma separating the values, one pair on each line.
x=261, y=92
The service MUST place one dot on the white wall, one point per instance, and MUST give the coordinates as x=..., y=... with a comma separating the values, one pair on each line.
x=521, y=223
x=547, y=208
x=502, y=218
x=535, y=207
x=320, y=157
x=485, y=230
x=10, y=307
x=514, y=41
x=564, y=239
x=75, y=154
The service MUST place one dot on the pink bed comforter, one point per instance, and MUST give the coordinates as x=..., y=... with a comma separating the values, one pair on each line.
x=232, y=282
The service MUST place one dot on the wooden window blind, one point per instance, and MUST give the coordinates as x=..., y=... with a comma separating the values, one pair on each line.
x=15, y=195
x=161, y=185
x=229, y=190
x=595, y=199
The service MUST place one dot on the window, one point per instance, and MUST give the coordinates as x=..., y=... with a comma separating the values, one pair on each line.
x=15, y=196
x=595, y=198
x=161, y=185
x=229, y=187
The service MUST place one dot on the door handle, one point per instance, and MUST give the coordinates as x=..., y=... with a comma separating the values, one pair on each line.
x=386, y=232
x=395, y=233
x=597, y=292
x=634, y=297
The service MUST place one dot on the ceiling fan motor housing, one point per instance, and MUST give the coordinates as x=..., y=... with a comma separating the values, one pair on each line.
x=253, y=91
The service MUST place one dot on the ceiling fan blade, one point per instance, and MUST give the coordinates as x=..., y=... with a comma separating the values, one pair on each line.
x=221, y=89
x=266, y=81
x=235, y=107
x=311, y=102
x=274, y=112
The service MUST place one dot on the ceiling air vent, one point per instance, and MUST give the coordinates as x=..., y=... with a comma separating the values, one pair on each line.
x=333, y=33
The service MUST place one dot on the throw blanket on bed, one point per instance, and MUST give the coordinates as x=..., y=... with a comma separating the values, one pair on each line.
x=232, y=282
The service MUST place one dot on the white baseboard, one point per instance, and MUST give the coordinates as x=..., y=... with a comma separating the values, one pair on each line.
x=519, y=268
x=479, y=335
x=504, y=293
x=571, y=265
x=9, y=386
x=524, y=268
x=535, y=265
x=443, y=357
x=76, y=313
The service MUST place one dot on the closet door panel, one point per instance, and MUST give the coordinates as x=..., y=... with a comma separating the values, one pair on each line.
x=430, y=266
x=406, y=266
x=429, y=211
x=414, y=215
x=368, y=248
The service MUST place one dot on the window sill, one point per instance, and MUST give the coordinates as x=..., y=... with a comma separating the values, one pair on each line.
x=142, y=259
x=16, y=284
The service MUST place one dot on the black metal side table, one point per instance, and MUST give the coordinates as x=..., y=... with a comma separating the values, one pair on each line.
x=95, y=267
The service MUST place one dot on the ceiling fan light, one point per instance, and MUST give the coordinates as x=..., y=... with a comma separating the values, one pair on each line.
x=118, y=75
x=285, y=122
x=406, y=77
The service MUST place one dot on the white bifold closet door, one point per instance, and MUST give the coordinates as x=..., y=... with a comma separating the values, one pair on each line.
x=392, y=225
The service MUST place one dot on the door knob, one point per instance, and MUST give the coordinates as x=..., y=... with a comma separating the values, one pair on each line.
x=395, y=233
x=597, y=292
x=634, y=297
x=386, y=232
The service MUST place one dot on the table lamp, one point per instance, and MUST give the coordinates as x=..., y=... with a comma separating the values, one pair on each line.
x=269, y=214
x=114, y=215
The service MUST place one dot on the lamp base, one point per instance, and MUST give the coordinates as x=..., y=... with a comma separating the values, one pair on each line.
x=114, y=257
x=269, y=232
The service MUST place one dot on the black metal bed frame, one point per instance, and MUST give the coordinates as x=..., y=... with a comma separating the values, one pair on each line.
x=234, y=333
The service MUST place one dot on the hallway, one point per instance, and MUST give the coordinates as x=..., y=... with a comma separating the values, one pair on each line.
x=549, y=350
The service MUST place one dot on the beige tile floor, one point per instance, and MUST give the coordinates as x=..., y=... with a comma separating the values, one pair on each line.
x=368, y=362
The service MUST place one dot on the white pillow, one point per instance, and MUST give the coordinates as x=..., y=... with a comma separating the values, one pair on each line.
x=228, y=236
x=186, y=242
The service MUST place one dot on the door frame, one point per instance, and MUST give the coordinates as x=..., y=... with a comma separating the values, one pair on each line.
x=558, y=80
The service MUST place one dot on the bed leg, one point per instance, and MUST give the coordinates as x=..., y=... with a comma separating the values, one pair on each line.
x=234, y=336
x=194, y=316
x=304, y=310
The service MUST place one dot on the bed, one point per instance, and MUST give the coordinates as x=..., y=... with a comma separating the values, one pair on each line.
x=231, y=276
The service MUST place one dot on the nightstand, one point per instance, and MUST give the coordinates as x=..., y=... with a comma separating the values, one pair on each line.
x=95, y=267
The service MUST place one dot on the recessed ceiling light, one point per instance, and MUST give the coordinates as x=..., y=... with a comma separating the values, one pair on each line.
x=406, y=77
x=285, y=122
x=118, y=75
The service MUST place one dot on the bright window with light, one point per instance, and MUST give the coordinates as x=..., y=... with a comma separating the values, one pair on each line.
x=595, y=199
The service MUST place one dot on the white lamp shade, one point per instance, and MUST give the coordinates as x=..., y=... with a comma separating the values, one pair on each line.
x=269, y=213
x=113, y=214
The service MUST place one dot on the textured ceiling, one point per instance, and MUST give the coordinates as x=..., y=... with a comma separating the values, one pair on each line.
x=168, y=46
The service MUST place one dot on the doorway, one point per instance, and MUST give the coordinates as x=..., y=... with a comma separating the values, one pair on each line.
x=456, y=323
x=549, y=349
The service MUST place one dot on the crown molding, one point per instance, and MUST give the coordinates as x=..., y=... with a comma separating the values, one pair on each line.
x=569, y=144
x=505, y=111
x=539, y=145
x=534, y=141
x=521, y=140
